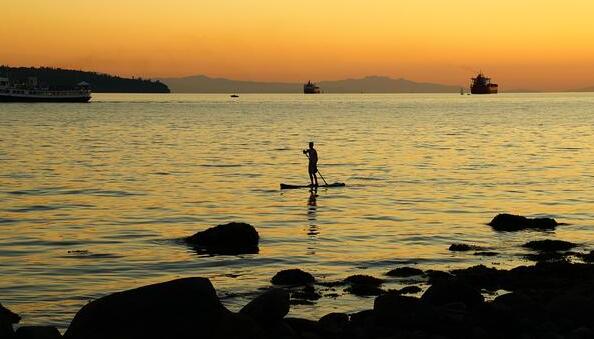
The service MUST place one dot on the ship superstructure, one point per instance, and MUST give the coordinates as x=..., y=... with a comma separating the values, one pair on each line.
x=311, y=88
x=482, y=85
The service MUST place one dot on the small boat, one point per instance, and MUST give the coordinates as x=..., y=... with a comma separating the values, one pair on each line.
x=289, y=186
x=234, y=96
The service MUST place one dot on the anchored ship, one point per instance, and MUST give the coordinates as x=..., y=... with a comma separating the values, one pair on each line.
x=482, y=85
x=311, y=88
x=32, y=92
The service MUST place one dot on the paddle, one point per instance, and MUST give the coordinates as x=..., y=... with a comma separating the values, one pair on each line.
x=321, y=176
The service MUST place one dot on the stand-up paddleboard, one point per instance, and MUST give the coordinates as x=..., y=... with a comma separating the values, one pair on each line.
x=288, y=186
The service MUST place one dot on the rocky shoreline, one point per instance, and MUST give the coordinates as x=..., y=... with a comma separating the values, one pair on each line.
x=554, y=298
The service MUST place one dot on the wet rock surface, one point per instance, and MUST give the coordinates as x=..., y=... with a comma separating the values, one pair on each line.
x=38, y=332
x=7, y=319
x=364, y=285
x=232, y=238
x=510, y=223
x=549, y=245
x=174, y=309
x=294, y=277
x=272, y=305
x=464, y=248
x=405, y=272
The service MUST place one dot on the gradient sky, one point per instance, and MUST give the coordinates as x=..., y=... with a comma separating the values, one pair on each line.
x=544, y=44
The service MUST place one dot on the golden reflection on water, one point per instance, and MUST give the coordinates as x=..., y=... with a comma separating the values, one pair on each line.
x=126, y=177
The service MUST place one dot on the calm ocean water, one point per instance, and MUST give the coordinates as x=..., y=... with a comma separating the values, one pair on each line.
x=94, y=197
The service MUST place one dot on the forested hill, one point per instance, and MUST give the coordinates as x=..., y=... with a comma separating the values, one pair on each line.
x=102, y=83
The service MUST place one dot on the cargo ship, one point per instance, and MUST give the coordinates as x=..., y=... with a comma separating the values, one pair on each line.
x=311, y=88
x=483, y=85
x=32, y=92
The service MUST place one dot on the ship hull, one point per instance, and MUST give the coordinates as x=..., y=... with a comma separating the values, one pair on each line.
x=483, y=90
x=30, y=98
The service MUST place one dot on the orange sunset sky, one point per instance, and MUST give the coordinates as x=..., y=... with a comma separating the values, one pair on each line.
x=522, y=44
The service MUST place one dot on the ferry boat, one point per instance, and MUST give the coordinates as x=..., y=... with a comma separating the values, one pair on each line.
x=483, y=85
x=32, y=92
x=311, y=88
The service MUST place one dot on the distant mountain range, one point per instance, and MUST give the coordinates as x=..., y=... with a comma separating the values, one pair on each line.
x=58, y=78
x=370, y=84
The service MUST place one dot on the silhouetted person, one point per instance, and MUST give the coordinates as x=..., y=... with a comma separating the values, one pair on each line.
x=312, y=154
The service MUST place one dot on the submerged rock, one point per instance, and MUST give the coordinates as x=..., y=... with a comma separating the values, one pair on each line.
x=510, y=222
x=38, y=332
x=405, y=272
x=7, y=319
x=549, y=245
x=293, y=276
x=464, y=248
x=361, y=279
x=181, y=308
x=231, y=238
x=273, y=305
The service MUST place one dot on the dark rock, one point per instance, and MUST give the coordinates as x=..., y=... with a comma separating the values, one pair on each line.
x=364, y=285
x=444, y=292
x=521, y=306
x=305, y=327
x=409, y=290
x=38, y=332
x=179, y=309
x=581, y=333
x=588, y=257
x=334, y=322
x=360, y=279
x=293, y=277
x=509, y=222
x=7, y=319
x=575, y=307
x=486, y=254
x=231, y=238
x=393, y=309
x=436, y=275
x=463, y=248
x=405, y=272
x=306, y=293
x=549, y=245
x=273, y=305
x=364, y=290
x=274, y=330
x=480, y=275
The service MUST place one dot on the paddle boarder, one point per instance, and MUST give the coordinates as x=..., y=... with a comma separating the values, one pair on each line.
x=312, y=154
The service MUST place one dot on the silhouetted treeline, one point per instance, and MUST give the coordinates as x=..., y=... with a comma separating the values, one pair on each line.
x=64, y=78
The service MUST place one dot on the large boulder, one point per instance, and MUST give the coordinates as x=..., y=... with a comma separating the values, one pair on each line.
x=449, y=291
x=269, y=307
x=38, y=332
x=510, y=222
x=231, y=238
x=7, y=319
x=294, y=277
x=181, y=308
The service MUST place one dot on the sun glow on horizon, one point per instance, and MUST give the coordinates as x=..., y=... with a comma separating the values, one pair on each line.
x=532, y=44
